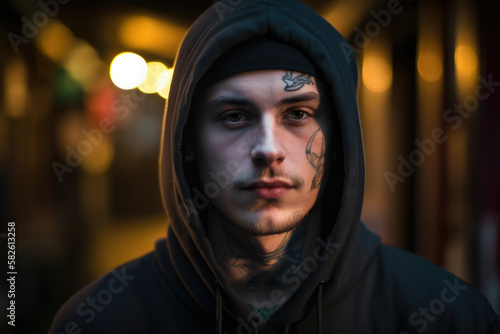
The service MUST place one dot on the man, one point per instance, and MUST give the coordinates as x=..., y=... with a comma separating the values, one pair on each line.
x=262, y=178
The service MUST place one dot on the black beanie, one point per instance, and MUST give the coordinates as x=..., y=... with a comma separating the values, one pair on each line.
x=258, y=53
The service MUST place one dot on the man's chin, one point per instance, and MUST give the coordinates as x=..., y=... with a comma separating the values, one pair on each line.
x=268, y=226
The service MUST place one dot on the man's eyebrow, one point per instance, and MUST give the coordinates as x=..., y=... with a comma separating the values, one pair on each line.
x=228, y=100
x=241, y=101
x=311, y=96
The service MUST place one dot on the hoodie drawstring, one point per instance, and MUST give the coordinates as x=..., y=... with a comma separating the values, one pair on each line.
x=319, y=318
x=218, y=310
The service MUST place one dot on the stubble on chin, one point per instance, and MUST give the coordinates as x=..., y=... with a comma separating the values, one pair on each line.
x=267, y=226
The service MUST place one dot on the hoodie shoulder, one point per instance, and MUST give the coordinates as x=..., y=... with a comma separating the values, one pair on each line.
x=132, y=298
x=108, y=304
x=431, y=299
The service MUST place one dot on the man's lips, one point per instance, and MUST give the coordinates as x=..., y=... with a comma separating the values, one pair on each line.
x=269, y=189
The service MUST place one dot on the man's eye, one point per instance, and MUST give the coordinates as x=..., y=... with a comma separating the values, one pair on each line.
x=298, y=114
x=234, y=117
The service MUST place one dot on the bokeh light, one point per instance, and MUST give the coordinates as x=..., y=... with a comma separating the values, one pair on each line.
x=430, y=66
x=150, y=34
x=128, y=70
x=101, y=157
x=377, y=73
x=465, y=60
x=168, y=77
x=15, y=82
x=156, y=78
x=56, y=41
x=83, y=64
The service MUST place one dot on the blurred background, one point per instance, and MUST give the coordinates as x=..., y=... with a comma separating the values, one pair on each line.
x=80, y=132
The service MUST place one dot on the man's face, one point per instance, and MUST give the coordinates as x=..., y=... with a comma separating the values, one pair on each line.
x=262, y=136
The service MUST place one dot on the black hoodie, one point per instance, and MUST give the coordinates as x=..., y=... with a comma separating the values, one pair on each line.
x=348, y=283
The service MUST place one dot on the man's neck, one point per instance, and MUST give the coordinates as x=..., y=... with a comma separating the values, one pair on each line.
x=254, y=265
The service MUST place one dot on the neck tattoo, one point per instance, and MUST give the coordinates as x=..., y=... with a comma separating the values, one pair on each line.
x=257, y=269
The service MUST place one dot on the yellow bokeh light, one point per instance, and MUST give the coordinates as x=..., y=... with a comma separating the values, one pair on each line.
x=430, y=66
x=55, y=40
x=465, y=60
x=377, y=73
x=16, y=93
x=151, y=34
x=156, y=78
x=83, y=63
x=128, y=70
x=165, y=90
x=100, y=159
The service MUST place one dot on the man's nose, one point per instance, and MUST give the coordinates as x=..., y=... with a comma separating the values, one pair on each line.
x=268, y=147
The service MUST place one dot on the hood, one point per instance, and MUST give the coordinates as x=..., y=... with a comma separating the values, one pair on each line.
x=224, y=25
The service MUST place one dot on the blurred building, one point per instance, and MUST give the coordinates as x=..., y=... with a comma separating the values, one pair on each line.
x=78, y=154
